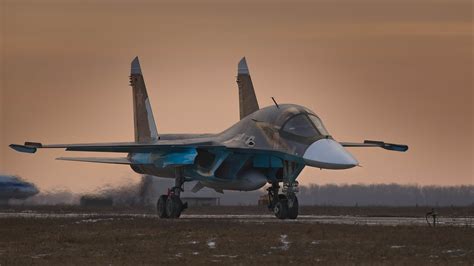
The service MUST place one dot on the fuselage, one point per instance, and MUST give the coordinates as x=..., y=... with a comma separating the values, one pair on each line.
x=256, y=148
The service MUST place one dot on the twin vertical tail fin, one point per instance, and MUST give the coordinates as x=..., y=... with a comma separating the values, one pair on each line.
x=144, y=123
x=247, y=100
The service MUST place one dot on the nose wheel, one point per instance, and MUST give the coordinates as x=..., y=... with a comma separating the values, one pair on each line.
x=283, y=206
x=294, y=209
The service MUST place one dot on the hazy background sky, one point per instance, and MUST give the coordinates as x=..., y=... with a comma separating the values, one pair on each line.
x=399, y=71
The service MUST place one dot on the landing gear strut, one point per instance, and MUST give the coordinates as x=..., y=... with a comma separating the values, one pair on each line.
x=285, y=205
x=170, y=205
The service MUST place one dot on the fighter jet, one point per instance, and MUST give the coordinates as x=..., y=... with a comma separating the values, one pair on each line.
x=12, y=187
x=268, y=145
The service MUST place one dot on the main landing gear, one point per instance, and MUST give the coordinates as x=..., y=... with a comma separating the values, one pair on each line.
x=170, y=205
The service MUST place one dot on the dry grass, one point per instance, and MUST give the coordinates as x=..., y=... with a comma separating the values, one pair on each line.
x=132, y=240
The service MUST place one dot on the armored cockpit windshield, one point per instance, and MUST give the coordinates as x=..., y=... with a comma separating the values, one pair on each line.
x=319, y=125
x=306, y=126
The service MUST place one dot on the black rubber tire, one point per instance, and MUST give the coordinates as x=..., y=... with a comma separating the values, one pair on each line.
x=281, y=207
x=174, y=206
x=293, y=211
x=161, y=206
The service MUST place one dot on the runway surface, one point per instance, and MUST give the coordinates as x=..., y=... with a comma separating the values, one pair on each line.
x=252, y=218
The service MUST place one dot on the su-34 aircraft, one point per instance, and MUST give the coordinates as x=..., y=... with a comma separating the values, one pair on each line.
x=268, y=145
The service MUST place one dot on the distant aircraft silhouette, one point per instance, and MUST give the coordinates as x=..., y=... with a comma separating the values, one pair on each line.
x=12, y=187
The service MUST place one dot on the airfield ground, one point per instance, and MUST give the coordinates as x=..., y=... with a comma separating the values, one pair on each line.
x=72, y=235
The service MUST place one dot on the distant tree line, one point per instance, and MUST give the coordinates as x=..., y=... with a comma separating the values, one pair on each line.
x=387, y=195
x=148, y=190
x=350, y=195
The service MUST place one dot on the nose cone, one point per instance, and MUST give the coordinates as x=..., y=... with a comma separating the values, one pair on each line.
x=328, y=154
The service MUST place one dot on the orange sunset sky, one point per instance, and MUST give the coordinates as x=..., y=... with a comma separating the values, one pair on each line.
x=393, y=70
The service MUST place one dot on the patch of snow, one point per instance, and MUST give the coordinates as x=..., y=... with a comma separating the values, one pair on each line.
x=40, y=255
x=195, y=253
x=94, y=220
x=211, y=243
x=285, y=244
x=315, y=242
x=455, y=252
x=452, y=250
x=193, y=242
x=395, y=246
x=284, y=241
x=225, y=256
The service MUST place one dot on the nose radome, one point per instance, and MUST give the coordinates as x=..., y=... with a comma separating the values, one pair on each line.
x=329, y=154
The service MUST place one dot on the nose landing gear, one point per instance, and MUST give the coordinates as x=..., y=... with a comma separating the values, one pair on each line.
x=294, y=209
x=284, y=206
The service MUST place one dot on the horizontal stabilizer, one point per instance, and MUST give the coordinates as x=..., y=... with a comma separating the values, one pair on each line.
x=376, y=143
x=96, y=160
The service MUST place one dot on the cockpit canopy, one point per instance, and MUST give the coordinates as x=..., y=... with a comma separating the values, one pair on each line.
x=306, y=126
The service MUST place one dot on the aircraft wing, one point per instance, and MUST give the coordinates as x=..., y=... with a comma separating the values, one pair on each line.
x=97, y=160
x=375, y=143
x=125, y=147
